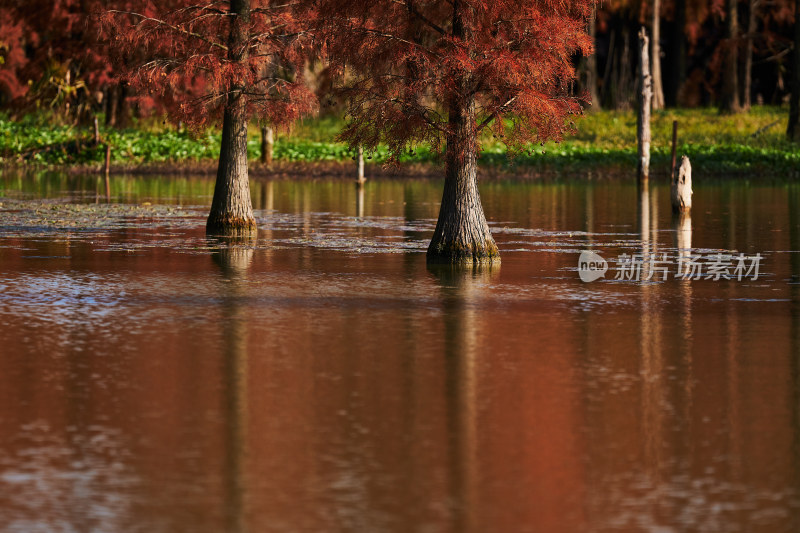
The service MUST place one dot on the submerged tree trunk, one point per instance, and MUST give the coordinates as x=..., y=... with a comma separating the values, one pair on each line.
x=793, y=131
x=655, y=57
x=729, y=102
x=462, y=234
x=231, y=208
x=645, y=99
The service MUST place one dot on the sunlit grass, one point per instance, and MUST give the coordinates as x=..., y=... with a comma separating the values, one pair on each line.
x=748, y=141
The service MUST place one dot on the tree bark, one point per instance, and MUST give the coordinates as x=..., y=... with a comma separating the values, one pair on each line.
x=645, y=99
x=462, y=235
x=231, y=209
x=655, y=57
x=748, y=55
x=793, y=131
x=730, y=72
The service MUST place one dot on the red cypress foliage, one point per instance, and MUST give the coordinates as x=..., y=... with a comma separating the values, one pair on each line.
x=178, y=51
x=403, y=61
x=12, y=55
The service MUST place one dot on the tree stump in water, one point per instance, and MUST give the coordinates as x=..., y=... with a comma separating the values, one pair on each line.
x=681, y=187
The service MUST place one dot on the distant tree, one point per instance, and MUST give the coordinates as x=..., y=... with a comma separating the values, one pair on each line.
x=217, y=61
x=752, y=16
x=655, y=55
x=446, y=71
x=729, y=100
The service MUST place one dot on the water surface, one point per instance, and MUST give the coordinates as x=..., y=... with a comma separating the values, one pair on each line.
x=321, y=378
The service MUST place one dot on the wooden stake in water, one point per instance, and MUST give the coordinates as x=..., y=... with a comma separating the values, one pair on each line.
x=360, y=167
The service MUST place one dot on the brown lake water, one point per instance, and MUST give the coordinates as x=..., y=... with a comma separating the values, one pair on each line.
x=321, y=378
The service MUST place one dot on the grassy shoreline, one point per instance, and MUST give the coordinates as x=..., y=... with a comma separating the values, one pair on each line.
x=752, y=143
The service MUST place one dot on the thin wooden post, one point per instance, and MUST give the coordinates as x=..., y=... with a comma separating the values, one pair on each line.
x=267, y=144
x=96, y=132
x=108, y=171
x=645, y=99
x=674, y=148
x=681, y=188
x=360, y=165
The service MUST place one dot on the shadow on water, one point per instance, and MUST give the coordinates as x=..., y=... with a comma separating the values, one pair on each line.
x=234, y=257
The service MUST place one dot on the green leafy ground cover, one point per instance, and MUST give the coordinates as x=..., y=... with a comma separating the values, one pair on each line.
x=751, y=142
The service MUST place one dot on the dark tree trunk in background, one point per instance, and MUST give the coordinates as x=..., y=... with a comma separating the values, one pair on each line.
x=729, y=101
x=677, y=64
x=462, y=235
x=793, y=131
x=116, y=106
x=588, y=68
x=748, y=55
x=231, y=209
x=655, y=56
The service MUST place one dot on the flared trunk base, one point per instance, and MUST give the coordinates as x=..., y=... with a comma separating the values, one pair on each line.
x=231, y=226
x=456, y=252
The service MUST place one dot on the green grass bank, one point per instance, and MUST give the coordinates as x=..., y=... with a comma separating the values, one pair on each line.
x=751, y=142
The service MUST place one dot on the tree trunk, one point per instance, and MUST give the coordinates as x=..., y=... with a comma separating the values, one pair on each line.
x=462, y=235
x=655, y=57
x=730, y=70
x=645, y=99
x=588, y=69
x=231, y=209
x=111, y=106
x=267, y=144
x=793, y=131
x=748, y=55
x=591, y=64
